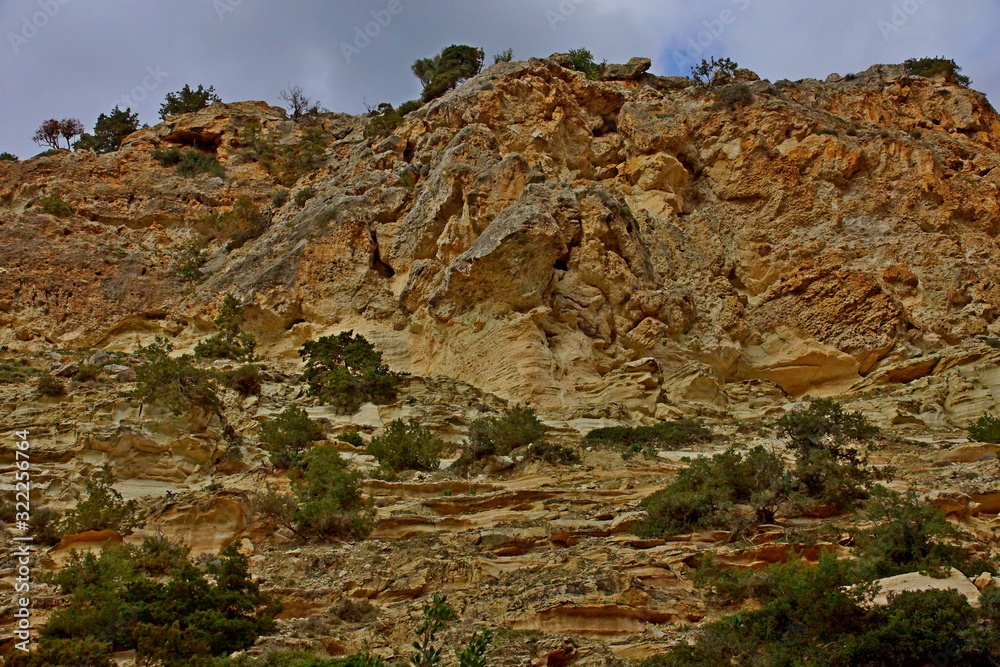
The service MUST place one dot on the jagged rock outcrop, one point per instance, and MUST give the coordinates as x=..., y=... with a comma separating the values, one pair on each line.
x=552, y=238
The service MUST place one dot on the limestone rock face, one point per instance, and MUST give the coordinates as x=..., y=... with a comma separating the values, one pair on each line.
x=550, y=238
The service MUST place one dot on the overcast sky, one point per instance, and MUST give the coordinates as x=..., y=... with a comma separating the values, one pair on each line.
x=78, y=58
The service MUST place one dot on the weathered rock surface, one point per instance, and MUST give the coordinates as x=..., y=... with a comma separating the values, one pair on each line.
x=534, y=233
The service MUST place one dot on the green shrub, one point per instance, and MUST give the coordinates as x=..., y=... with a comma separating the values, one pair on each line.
x=187, y=100
x=330, y=501
x=814, y=426
x=55, y=206
x=87, y=372
x=244, y=380
x=583, y=61
x=44, y=525
x=280, y=197
x=407, y=446
x=986, y=429
x=109, y=131
x=384, y=121
x=346, y=371
x=189, y=162
x=407, y=107
x=16, y=371
x=817, y=616
x=8, y=157
x=447, y=70
x=288, y=436
x=272, y=505
x=822, y=479
x=167, y=157
x=352, y=438
x=475, y=653
x=229, y=343
x=714, y=72
x=504, y=56
x=179, y=618
x=50, y=386
x=707, y=492
x=301, y=659
x=516, y=427
x=662, y=436
x=907, y=535
x=174, y=382
x=304, y=195
x=436, y=614
x=102, y=509
x=219, y=346
x=830, y=467
x=83, y=652
x=190, y=260
x=929, y=67
x=289, y=162
x=194, y=162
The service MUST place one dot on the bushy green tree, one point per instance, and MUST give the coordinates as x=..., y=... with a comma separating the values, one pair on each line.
x=907, y=534
x=69, y=652
x=109, y=131
x=713, y=72
x=288, y=436
x=345, y=371
x=929, y=67
x=407, y=446
x=174, y=382
x=187, y=100
x=707, y=492
x=229, y=343
x=55, y=205
x=384, y=120
x=103, y=508
x=831, y=467
x=985, y=429
x=504, y=56
x=807, y=615
x=667, y=435
x=448, y=69
x=516, y=427
x=8, y=157
x=153, y=600
x=331, y=504
x=583, y=61
x=436, y=614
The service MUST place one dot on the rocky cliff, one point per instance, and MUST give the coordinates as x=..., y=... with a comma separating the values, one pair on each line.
x=552, y=238
x=611, y=251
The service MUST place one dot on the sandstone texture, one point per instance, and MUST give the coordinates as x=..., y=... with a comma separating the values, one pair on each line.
x=613, y=251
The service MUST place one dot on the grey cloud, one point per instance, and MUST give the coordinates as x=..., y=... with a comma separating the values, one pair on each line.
x=91, y=52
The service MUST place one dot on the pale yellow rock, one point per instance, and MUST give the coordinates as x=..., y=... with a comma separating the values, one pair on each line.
x=914, y=581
